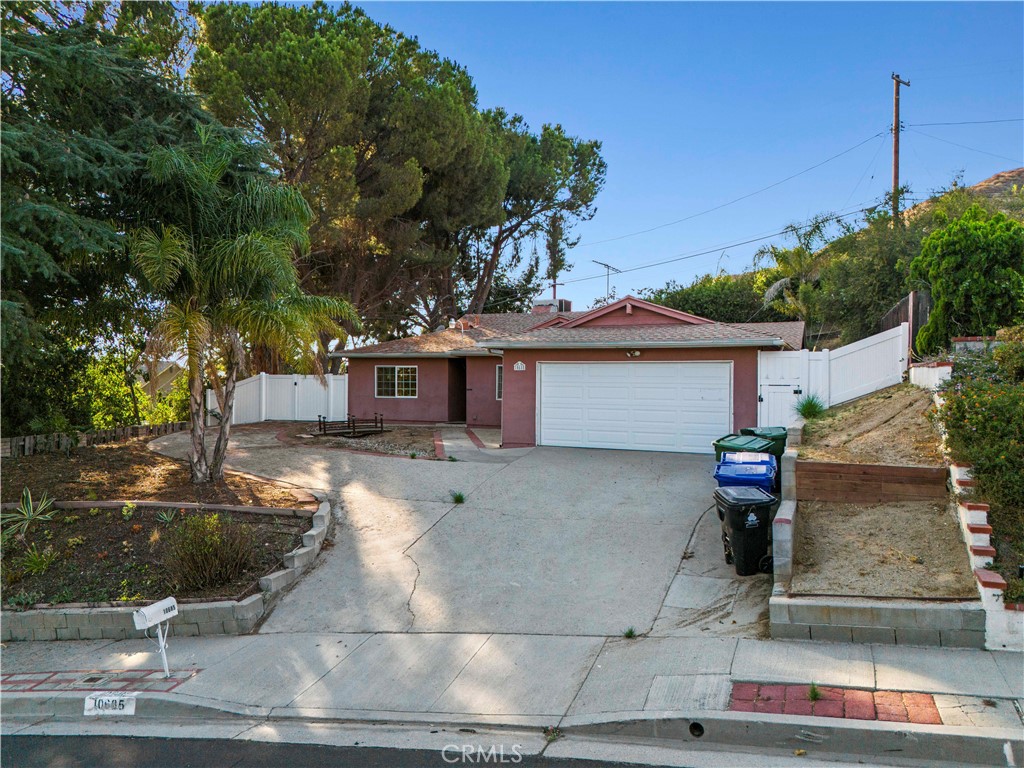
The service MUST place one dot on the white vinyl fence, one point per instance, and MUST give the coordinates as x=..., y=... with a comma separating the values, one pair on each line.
x=267, y=397
x=835, y=376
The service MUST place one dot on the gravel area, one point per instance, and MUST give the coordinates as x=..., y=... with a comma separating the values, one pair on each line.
x=897, y=549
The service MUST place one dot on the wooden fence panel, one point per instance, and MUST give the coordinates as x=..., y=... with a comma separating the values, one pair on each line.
x=868, y=483
x=28, y=445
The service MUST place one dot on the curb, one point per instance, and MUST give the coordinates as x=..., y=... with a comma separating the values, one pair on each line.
x=931, y=743
x=819, y=735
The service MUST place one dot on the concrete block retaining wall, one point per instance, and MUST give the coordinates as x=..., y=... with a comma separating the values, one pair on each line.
x=226, y=617
x=865, y=620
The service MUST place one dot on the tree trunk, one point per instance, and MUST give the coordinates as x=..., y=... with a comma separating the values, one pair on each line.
x=197, y=463
x=234, y=360
x=486, y=277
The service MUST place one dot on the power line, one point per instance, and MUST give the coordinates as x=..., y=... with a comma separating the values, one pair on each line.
x=736, y=200
x=964, y=146
x=684, y=257
x=967, y=122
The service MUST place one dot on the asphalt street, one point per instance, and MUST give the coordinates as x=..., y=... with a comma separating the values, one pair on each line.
x=117, y=752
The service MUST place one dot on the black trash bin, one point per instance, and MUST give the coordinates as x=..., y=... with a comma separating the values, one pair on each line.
x=746, y=513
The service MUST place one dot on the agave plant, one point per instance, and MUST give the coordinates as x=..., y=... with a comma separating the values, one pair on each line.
x=18, y=521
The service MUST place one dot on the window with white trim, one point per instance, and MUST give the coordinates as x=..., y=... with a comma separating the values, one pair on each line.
x=396, y=380
x=499, y=376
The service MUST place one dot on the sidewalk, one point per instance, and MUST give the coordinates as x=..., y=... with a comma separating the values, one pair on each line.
x=525, y=680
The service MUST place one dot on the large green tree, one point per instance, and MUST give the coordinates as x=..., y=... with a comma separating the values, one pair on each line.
x=725, y=298
x=383, y=138
x=222, y=261
x=422, y=202
x=974, y=268
x=81, y=115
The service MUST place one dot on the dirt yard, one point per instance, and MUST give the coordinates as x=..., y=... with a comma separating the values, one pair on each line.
x=888, y=427
x=131, y=471
x=397, y=441
x=897, y=549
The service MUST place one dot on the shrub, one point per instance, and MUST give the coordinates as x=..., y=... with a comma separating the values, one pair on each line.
x=810, y=407
x=208, y=551
x=1009, y=355
x=37, y=562
x=984, y=422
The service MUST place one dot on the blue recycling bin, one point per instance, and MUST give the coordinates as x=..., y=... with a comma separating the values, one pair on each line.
x=750, y=475
x=749, y=457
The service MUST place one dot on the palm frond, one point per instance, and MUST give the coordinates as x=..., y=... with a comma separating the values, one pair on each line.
x=162, y=257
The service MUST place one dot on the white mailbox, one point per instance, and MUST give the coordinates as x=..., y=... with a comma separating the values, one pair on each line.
x=156, y=613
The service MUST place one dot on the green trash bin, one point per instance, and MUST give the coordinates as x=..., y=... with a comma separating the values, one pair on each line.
x=741, y=443
x=777, y=436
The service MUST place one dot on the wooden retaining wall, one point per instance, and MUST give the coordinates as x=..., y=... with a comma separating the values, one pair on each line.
x=28, y=445
x=868, y=483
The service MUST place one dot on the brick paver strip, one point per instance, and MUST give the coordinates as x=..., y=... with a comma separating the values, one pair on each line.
x=744, y=691
x=924, y=715
x=828, y=708
x=105, y=680
x=849, y=703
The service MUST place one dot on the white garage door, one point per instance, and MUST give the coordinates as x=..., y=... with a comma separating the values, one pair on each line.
x=635, y=406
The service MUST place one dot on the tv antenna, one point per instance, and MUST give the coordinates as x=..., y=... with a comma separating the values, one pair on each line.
x=608, y=269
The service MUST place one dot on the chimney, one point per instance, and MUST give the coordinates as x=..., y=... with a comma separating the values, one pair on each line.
x=564, y=305
x=544, y=307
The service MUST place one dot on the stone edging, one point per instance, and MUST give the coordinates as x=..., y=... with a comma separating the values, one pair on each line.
x=300, y=558
x=223, y=617
x=1004, y=625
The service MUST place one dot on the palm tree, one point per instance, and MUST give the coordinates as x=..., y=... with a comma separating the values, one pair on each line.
x=798, y=267
x=221, y=260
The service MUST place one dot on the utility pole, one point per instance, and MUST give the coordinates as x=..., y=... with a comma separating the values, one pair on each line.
x=608, y=269
x=554, y=291
x=896, y=83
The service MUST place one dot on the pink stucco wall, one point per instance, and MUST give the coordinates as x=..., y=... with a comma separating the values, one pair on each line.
x=519, y=406
x=430, y=404
x=483, y=409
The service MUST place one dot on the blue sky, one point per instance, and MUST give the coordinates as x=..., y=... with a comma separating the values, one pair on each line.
x=700, y=103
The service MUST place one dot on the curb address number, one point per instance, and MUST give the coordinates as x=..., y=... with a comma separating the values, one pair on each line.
x=110, y=703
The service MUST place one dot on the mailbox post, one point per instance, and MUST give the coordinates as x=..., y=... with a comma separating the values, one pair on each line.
x=158, y=614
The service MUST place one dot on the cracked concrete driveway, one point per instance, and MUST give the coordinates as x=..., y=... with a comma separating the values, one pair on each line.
x=550, y=541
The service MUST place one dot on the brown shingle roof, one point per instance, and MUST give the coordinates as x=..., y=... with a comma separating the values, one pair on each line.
x=703, y=334
x=513, y=330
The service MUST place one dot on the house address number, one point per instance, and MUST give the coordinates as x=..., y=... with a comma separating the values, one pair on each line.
x=110, y=703
x=519, y=366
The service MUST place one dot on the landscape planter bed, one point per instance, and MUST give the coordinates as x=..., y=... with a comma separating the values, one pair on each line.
x=197, y=615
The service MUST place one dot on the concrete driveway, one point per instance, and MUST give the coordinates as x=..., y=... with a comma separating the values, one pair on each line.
x=550, y=541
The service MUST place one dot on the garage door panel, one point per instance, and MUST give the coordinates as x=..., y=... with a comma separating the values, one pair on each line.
x=647, y=393
x=610, y=393
x=640, y=406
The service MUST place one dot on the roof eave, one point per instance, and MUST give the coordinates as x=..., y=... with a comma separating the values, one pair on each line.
x=389, y=354
x=767, y=342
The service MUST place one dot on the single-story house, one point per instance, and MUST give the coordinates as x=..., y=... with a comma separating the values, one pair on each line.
x=629, y=375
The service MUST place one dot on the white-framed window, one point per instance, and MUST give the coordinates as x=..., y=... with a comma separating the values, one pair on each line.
x=499, y=381
x=396, y=380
